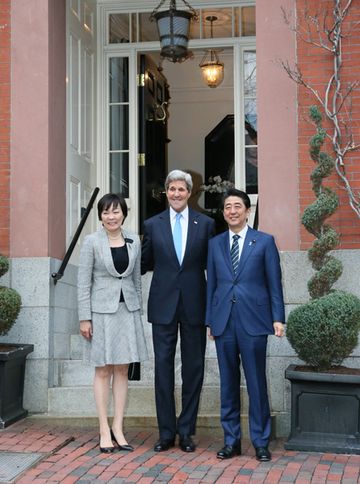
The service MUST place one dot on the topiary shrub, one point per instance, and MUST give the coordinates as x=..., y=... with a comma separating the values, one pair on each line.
x=317, y=331
x=324, y=331
x=4, y=265
x=10, y=301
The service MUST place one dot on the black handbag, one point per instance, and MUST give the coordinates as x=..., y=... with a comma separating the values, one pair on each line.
x=134, y=372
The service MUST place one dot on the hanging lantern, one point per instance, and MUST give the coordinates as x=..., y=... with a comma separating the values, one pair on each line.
x=212, y=69
x=173, y=27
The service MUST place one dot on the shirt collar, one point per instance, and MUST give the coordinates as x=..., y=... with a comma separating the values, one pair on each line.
x=242, y=233
x=184, y=213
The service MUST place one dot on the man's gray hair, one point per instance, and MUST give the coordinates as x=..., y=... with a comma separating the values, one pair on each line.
x=179, y=175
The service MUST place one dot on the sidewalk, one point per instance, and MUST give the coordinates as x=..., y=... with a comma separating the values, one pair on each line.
x=70, y=454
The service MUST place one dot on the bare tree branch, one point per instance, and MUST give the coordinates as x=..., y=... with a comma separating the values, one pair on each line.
x=336, y=100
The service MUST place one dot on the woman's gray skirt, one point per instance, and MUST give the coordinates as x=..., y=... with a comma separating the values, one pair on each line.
x=118, y=338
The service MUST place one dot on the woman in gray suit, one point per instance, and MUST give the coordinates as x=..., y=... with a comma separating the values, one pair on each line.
x=110, y=306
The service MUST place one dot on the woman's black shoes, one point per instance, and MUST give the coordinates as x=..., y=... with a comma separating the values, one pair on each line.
x=106, y=450
x=127, y=447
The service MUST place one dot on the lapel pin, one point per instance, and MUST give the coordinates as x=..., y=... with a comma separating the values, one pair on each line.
x=195, y=222
x=252, y=242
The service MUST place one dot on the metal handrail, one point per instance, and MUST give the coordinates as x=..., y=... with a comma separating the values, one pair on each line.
x=58, y=275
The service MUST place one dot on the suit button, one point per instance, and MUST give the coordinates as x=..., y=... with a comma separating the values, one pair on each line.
x=233, y=299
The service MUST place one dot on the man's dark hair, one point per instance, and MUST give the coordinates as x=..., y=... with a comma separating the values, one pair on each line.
x=112, y=199
x=234, y=192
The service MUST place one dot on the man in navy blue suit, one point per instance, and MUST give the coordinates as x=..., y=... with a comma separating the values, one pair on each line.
x=175, y=247
x=244, y=305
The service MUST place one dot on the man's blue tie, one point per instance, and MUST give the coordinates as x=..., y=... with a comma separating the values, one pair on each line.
x=177, y=235
x=234, y=252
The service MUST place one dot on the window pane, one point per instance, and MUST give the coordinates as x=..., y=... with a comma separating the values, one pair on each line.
x=250, y=116
x=251, y=170
x=119, y=80
x=247, y=23
x=88, y=107
x=250, y=131
x=250, y=74
x=147, y=29
x=119, y=127
x=119, y=31
x=119, y=173
x=74, y=90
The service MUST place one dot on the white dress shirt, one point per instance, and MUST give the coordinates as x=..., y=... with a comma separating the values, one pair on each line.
x=241, y=240
x=184, y=222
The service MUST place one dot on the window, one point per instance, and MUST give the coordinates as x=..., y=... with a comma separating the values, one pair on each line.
x=119, y=125
x=250, y=114
x=136, y=26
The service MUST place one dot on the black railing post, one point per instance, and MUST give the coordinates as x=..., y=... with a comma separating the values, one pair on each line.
x=58, y=275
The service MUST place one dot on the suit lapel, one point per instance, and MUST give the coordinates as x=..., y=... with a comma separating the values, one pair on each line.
x=131, y=252
x=225, y=247
x=166, y=233
x=191, y=231
x=106, y=253
x=107, y=256
x=248, y=247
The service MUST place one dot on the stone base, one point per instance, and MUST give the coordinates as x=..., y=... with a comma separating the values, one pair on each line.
x=325, y=412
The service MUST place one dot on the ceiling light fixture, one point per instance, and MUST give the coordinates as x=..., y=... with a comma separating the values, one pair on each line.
x=173, y=27
x=211, y=68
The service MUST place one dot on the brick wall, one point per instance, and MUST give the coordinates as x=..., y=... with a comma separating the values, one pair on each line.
x=316, y=66
x=4, y=126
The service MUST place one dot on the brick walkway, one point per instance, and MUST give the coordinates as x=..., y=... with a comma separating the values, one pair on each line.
x=71, y=455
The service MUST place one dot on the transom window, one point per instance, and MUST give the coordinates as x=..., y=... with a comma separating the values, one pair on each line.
x=231, y=22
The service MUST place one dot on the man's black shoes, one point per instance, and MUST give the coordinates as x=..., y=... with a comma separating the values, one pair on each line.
x=186, y=443
x=262, y=454
x=229, y=451
x=164, y=444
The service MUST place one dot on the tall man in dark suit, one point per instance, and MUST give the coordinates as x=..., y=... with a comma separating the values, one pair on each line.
x=175, y=247
x=244, y=305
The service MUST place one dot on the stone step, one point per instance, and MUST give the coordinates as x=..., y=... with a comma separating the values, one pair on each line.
x=79, y=401
x=77, y=404
x=74, y=373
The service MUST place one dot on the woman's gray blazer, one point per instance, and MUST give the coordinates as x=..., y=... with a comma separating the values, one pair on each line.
x=99, y=284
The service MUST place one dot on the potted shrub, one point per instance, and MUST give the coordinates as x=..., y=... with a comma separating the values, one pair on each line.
x=325, y=396
x=12, y=356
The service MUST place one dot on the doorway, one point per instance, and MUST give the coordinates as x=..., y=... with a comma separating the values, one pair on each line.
x=191, y=110
x=176, y=132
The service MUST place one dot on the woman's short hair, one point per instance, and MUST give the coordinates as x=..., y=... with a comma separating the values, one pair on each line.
x=112, y=199
x=234, y=192
x=179, y=175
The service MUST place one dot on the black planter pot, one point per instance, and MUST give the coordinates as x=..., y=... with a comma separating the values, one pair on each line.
x=12, y=373
x=325, y=412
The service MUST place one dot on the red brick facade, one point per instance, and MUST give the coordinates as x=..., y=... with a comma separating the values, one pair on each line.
x=316, y=66
x=5, y=126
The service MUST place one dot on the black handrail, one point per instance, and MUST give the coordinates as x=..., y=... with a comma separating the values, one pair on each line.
x=58, y=275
